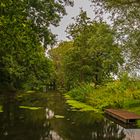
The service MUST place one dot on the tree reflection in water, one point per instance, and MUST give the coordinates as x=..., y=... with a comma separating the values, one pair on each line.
x=25, y=124
x=91, y=126
x=22, y=124
x=109, y=131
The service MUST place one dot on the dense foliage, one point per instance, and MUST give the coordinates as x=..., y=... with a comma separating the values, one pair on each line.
x=92, y=56
x=119, y=94
x=58, y=55
x=125, y=20
x=125, y=16
x=24, y=27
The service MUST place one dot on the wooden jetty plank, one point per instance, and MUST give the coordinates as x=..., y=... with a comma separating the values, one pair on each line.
x=121, y=123
x=123, y=115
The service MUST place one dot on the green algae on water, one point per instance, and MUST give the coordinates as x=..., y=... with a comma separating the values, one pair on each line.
x=80, y=106
x=59, y=117
x=30, y=107
x=1, y=110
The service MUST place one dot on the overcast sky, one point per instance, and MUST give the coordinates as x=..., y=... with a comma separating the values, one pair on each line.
x=72, y=12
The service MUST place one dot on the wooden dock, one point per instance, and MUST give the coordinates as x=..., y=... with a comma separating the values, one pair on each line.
x=123, y=115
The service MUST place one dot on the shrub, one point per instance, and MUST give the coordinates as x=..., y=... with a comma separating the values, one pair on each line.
x=117, y=94
x=80, y=93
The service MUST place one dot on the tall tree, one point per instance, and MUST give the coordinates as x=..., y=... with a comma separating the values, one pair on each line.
x=42, y=14
x=58, y=55
x=126, y=19
x=126, y=11
x=95, y=55
x=24, y=25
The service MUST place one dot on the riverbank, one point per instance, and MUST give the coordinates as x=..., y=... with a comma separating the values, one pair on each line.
x=117, y=94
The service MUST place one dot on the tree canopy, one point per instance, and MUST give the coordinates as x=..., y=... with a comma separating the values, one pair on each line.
x=58, y=55
x=92, y=56
x=125, y=15
x=24, y=27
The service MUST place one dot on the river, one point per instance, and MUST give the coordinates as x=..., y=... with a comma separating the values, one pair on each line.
x=56, y=121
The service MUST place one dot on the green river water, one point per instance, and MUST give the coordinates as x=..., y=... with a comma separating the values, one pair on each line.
x=56, y=121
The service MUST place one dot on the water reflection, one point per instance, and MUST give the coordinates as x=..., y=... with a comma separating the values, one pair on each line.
x=24, y=124
x=132, y=134
x=21, y=124
x=49, y=113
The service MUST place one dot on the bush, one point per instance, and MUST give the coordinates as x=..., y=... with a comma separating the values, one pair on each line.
x=117, y=94
x=80, y=93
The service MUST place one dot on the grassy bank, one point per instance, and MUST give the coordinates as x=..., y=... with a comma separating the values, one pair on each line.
x=117, y=94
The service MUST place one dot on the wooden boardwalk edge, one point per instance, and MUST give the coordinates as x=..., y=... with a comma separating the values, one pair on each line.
x=123, y=115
